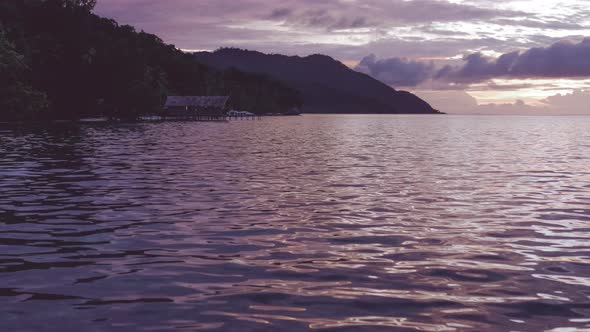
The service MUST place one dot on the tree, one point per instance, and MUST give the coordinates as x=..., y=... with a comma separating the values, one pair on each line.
x=84, y=4
x=18, y=99
x=61, y=61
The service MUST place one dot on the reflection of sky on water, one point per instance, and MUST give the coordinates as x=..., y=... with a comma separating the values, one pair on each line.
x=422, y=223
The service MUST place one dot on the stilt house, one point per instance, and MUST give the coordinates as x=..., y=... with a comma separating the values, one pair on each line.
x=195, y=106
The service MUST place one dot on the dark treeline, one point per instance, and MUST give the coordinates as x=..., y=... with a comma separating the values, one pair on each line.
x=60, y=61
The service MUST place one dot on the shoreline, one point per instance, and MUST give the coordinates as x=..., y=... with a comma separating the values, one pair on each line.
x=104, y=120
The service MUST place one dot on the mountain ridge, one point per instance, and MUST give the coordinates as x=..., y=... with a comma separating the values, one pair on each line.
x=327, y=85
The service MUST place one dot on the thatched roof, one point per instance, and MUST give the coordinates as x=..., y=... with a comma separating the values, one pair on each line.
x=197, y=101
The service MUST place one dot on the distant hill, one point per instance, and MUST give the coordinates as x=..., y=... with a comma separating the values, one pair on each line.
x=327, y=85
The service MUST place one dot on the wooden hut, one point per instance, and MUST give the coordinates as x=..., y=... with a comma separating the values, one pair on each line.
x=196, y=107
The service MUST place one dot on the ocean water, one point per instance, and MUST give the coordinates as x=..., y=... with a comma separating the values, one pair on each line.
x=327, y=223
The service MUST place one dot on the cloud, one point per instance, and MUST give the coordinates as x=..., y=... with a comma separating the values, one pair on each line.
x=547, y=24
x=577, y=102
x=333, y=15
x=396, y=71
x=279, y=13
x=335, y=27
x=518, y=107
x=560, y=60
x=461, y=102
x=477, y=68
x=453, y=102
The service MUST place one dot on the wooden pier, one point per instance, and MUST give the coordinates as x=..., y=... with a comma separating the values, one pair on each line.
x=201, y=108
x=204, y=118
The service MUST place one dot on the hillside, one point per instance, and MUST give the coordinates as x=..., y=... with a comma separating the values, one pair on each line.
x=58, y=60
x=327, y=85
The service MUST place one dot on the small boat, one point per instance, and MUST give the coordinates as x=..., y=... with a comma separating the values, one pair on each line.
x=293, y=111
x=239, y=113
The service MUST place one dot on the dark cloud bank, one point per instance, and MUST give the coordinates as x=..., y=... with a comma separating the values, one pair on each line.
x=397, y=71
x=313, y=26
x=334, y=15
x=560, y=60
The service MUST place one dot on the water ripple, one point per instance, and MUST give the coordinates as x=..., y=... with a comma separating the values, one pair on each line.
x=347, y=223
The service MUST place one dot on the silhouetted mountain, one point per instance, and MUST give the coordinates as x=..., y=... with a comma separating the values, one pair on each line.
x=327, y=85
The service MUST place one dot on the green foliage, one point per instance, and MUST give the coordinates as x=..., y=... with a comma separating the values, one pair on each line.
x=85, y=4
x=90, y=66
x=261, y=95
x=81, y=4
x=18, y=99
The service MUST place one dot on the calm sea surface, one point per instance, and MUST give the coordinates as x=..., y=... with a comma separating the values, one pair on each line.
x=331, y=223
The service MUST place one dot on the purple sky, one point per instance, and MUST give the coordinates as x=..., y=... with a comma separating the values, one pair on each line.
x=463, y=56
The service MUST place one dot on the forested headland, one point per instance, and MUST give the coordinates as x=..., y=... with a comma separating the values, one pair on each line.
x=326, y=84
x=59, y=61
